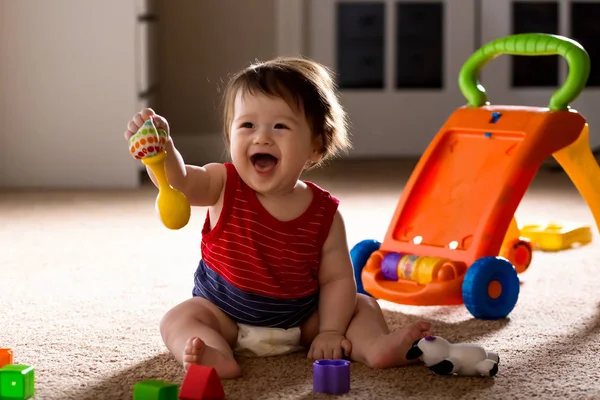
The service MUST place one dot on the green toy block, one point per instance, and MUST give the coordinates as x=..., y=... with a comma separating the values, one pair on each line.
x=153, y=389
x=17, y=382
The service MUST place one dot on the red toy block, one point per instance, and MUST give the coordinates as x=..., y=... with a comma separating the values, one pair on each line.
x=201, y=383
x=6, y=357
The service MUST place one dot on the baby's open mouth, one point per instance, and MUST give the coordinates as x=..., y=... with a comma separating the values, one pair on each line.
x=264, y=162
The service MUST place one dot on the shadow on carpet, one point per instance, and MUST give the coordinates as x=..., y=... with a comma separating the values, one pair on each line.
x=290, y=376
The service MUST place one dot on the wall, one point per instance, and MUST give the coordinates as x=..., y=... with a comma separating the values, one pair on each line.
x=201, y=42
x=387, y=122
x=3, y=98
x=387, y=83
x=67, y=91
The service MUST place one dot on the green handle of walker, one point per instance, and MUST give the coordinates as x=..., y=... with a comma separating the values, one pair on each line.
x=528, y=44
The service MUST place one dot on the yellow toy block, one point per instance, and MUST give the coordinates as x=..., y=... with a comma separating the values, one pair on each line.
x=556, y=237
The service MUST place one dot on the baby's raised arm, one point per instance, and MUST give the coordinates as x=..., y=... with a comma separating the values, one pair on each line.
x=337, y=300
x=201, y=185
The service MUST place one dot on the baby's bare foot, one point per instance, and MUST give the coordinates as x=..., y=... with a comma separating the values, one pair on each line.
x=197, y=352
x=388, y=351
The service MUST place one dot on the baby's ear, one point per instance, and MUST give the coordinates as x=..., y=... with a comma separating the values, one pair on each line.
x=318, y=149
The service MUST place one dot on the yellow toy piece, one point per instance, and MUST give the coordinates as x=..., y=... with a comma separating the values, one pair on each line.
x=556, y=237
x=148, y=145
x=172, y=205
x=581, y=166
x=579, y=163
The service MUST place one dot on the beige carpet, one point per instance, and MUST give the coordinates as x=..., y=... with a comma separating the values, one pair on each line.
x=86, y=276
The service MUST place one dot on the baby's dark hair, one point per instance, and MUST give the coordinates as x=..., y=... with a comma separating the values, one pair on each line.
x=301, y=82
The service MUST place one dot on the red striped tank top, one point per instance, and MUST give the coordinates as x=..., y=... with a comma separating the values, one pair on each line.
x=257, y=253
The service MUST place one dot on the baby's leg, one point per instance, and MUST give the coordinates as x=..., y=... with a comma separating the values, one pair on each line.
x=372, y=342
x=197, y=332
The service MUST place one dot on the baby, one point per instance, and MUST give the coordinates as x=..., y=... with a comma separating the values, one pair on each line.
x=274, y=248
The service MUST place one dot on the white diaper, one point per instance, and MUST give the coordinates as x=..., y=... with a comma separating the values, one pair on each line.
x=255, y=341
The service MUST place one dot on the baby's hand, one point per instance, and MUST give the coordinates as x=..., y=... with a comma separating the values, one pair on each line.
x=329, y=345
x=138, y=120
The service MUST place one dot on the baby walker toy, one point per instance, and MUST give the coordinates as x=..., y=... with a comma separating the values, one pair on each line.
x=148, y=145
x=453, y=238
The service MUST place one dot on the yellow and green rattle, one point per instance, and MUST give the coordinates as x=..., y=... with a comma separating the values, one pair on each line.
x=148, y=145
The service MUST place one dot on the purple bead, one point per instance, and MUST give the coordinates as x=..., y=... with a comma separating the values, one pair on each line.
x=430, y=338
x=331, y=376
x=389, y=266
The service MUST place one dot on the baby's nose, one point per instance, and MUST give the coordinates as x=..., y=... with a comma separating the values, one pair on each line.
x=262, y=138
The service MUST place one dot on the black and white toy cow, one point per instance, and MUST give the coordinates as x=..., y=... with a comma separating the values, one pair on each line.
x=445, y=358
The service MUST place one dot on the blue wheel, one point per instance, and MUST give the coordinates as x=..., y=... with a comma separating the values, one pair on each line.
x=359, y=254
x=491, y=288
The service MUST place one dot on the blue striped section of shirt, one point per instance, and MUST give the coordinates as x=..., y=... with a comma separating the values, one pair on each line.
x=249, y=308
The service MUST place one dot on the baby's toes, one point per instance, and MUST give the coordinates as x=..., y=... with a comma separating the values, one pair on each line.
x=194, y=349
x=426, y=332
x=424, y=327
x=189, y=345
x=191, y=359
x=416, y=332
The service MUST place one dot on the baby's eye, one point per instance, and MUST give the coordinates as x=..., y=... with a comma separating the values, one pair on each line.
x=281, y=126
x=249, y=125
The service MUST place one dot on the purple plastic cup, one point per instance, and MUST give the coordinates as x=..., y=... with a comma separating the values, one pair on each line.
x=389, y=266
x=331, y=376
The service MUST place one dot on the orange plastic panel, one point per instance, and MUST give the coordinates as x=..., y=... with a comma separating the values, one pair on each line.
x=461, y=197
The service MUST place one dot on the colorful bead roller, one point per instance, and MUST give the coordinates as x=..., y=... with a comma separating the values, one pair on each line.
x=396, y=266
